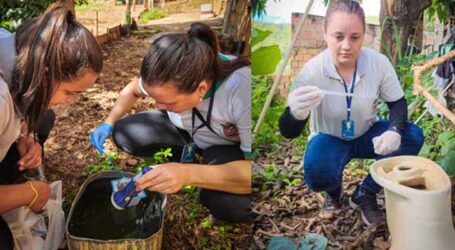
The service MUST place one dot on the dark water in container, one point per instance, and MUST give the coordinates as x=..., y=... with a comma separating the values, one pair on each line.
x=94, y=216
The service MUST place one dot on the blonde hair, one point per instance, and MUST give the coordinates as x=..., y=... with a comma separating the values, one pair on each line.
x=347, y=6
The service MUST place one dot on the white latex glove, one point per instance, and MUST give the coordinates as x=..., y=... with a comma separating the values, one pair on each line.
x=303, y=99
x=387, y=143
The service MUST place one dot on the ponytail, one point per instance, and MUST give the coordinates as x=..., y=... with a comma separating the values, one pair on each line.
x=50, y=49
x=186, y=59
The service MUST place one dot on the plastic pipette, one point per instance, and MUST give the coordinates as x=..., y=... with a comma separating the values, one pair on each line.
x=328, y=92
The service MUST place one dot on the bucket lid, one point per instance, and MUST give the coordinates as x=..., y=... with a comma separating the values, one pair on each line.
x=410, y=171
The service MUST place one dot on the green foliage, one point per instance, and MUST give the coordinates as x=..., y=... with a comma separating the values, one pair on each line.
x=268, y=138
x=268, y=134
x=396, y=37
x=448, y=163
x=259, y=35
x=441, y=8
x=275, y=179
x=103, y=163
x=258, y=8
x=279, y=34
x=446, y=145
x=265, y=60
x=127, y=17
x=151, y=15
x=91, y=5
x=159, y=157
x=13, y=12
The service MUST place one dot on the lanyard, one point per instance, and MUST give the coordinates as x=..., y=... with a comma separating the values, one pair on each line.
x=349, y=98
x=196, y=112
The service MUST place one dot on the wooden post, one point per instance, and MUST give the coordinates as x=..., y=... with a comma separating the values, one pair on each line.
x=134, y=5
x=226, y=16
x=96, y=27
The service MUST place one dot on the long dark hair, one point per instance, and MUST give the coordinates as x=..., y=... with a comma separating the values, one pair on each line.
x=51, y=48
x=186, y=59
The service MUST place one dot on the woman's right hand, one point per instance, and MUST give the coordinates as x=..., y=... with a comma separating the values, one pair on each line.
x=303, y=99
x=99, y=135
x=44, y=192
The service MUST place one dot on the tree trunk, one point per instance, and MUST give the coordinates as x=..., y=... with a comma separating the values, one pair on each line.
x=128, y=12
x=146, y=4
x=70, y=4
x=405, y=14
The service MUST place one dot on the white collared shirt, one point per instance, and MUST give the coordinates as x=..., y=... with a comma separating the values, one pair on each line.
x=231, y=114
x=376, y=78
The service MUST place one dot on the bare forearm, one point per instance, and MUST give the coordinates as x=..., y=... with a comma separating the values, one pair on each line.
x=232, y=177
x=14, y=196
x=127, y=98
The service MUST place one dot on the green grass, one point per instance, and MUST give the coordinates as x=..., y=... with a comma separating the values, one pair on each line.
x=151, y=15
x=91, y=5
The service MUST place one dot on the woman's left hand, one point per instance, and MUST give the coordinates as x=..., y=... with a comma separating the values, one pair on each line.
x=387, y=143
x=30, y=152
x=166, y=178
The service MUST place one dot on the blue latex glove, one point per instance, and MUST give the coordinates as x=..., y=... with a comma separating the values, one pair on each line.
x=313, y=241
x=99, y=135
x=281, y=243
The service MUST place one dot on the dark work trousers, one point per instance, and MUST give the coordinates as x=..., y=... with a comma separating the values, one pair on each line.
x=146, y=133
x=10, y=174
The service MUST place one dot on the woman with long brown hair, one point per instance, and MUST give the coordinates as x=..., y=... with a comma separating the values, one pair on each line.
x=47, y=61
x=205, y=103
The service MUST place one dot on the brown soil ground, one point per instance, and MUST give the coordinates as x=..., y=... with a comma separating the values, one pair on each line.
x=292, y=210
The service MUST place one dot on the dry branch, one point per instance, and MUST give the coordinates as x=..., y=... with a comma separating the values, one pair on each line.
x=419, y=89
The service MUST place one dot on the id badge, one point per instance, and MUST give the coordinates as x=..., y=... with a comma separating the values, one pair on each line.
x=347, y=129
x=188, y=154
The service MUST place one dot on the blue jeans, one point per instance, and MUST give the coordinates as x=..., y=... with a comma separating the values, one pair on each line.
x=327, y=155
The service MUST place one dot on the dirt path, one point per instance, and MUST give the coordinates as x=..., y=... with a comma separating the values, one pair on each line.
x=109, y=15
x=69, y=155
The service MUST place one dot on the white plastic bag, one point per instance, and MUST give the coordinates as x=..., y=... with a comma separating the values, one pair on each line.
x=29, y=229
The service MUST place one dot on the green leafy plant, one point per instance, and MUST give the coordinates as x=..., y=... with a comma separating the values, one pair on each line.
x=397, y=39
x=264, y=58
x=446, y=144
x=269, y=134
x=151, y=15
x=13, y=12
x=103, y=163
x=159, y=157
x=441, y=8
x=275, y=177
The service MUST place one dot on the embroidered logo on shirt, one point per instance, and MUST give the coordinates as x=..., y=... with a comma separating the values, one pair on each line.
x=230, y=130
